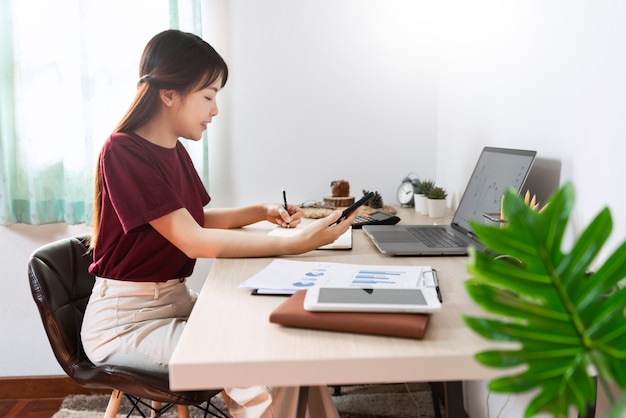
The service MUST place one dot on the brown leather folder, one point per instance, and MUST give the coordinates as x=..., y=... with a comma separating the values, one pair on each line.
x=291, y=313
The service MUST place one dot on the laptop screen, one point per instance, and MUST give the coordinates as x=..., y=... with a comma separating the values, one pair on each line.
x=497, y=170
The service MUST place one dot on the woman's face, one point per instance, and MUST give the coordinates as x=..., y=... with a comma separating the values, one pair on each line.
x=195, y=110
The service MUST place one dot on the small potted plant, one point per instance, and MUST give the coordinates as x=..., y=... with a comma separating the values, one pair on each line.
x=421, y=194
x=437, y=202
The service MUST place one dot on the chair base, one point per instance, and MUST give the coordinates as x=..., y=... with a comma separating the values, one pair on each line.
x=156, y=409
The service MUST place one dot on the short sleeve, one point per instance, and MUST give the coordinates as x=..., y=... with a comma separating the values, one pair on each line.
x=144, y=181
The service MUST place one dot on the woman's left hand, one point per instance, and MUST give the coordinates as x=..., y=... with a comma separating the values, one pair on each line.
x=277, y=214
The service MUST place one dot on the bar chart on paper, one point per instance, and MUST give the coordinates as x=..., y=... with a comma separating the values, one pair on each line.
x=374, y=276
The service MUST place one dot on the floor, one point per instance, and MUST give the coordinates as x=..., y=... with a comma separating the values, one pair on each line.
x=29, y=408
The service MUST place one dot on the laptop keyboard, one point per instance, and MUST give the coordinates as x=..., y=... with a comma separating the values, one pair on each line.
x=435, y=238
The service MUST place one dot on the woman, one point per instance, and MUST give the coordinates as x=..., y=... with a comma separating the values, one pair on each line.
x=150, y=223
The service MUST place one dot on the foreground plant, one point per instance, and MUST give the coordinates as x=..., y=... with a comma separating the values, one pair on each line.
x=562, y=318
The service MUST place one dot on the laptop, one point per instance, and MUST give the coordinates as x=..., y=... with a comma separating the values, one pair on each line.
x=497, y=170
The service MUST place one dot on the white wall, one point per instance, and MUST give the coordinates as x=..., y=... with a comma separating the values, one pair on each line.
x=325, y=90
x=545, y=75
x=369, y=91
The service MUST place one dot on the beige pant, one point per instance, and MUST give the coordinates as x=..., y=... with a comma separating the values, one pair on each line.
x=279, y=402
x=138, y=325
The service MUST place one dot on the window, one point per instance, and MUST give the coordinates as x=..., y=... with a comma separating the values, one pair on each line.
x=69, y=72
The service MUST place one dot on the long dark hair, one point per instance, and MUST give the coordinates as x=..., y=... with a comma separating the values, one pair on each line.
x=172, y=60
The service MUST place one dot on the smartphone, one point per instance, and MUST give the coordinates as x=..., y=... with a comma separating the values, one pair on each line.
x=347, y=211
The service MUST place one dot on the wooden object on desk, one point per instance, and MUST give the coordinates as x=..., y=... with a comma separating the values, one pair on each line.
x=339, y=201
x=292, y=313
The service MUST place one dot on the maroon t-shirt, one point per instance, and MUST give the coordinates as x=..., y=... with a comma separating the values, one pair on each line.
x=141, y=182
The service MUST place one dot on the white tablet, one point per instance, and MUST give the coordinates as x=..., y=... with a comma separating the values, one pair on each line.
x=355, y=299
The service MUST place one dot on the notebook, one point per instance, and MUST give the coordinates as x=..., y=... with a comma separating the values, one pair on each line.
x=291, y=313
x=497, y=169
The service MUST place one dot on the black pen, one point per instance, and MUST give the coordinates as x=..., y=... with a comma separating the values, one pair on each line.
x=286, y=205
x=436, y=281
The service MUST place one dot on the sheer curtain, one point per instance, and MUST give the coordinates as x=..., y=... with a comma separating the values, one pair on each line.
x=69, y=72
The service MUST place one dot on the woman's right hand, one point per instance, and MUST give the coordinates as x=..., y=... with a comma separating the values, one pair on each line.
x=325, y=231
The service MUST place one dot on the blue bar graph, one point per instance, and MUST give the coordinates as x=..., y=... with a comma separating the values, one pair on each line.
x=364, y=281
x=376, y=277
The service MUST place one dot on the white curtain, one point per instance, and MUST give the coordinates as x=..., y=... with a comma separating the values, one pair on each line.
x=69, y=72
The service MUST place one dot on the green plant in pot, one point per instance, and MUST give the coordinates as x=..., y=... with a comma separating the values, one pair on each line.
x=436, y=202
x=421, y=195
x=437, y=193
x=425, y=187
x=565, y=321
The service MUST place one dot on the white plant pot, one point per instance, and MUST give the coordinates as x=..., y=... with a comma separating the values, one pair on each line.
x=420, y=204
x=436, y=208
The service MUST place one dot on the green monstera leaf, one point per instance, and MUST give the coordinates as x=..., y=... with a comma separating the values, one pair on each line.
x=566, y=322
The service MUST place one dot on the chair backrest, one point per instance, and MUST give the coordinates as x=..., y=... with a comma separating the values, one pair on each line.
x=61, y=286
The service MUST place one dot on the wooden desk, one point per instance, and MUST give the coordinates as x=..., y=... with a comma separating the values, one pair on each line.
x=229, y=341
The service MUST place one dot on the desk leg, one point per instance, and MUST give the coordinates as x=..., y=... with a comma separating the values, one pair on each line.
x=303, y=400
x=454, y=399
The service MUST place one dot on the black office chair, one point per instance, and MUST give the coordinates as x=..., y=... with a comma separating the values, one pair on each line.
x=61, y=286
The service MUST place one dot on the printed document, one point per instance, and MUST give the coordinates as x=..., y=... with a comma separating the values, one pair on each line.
x=288, y=276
